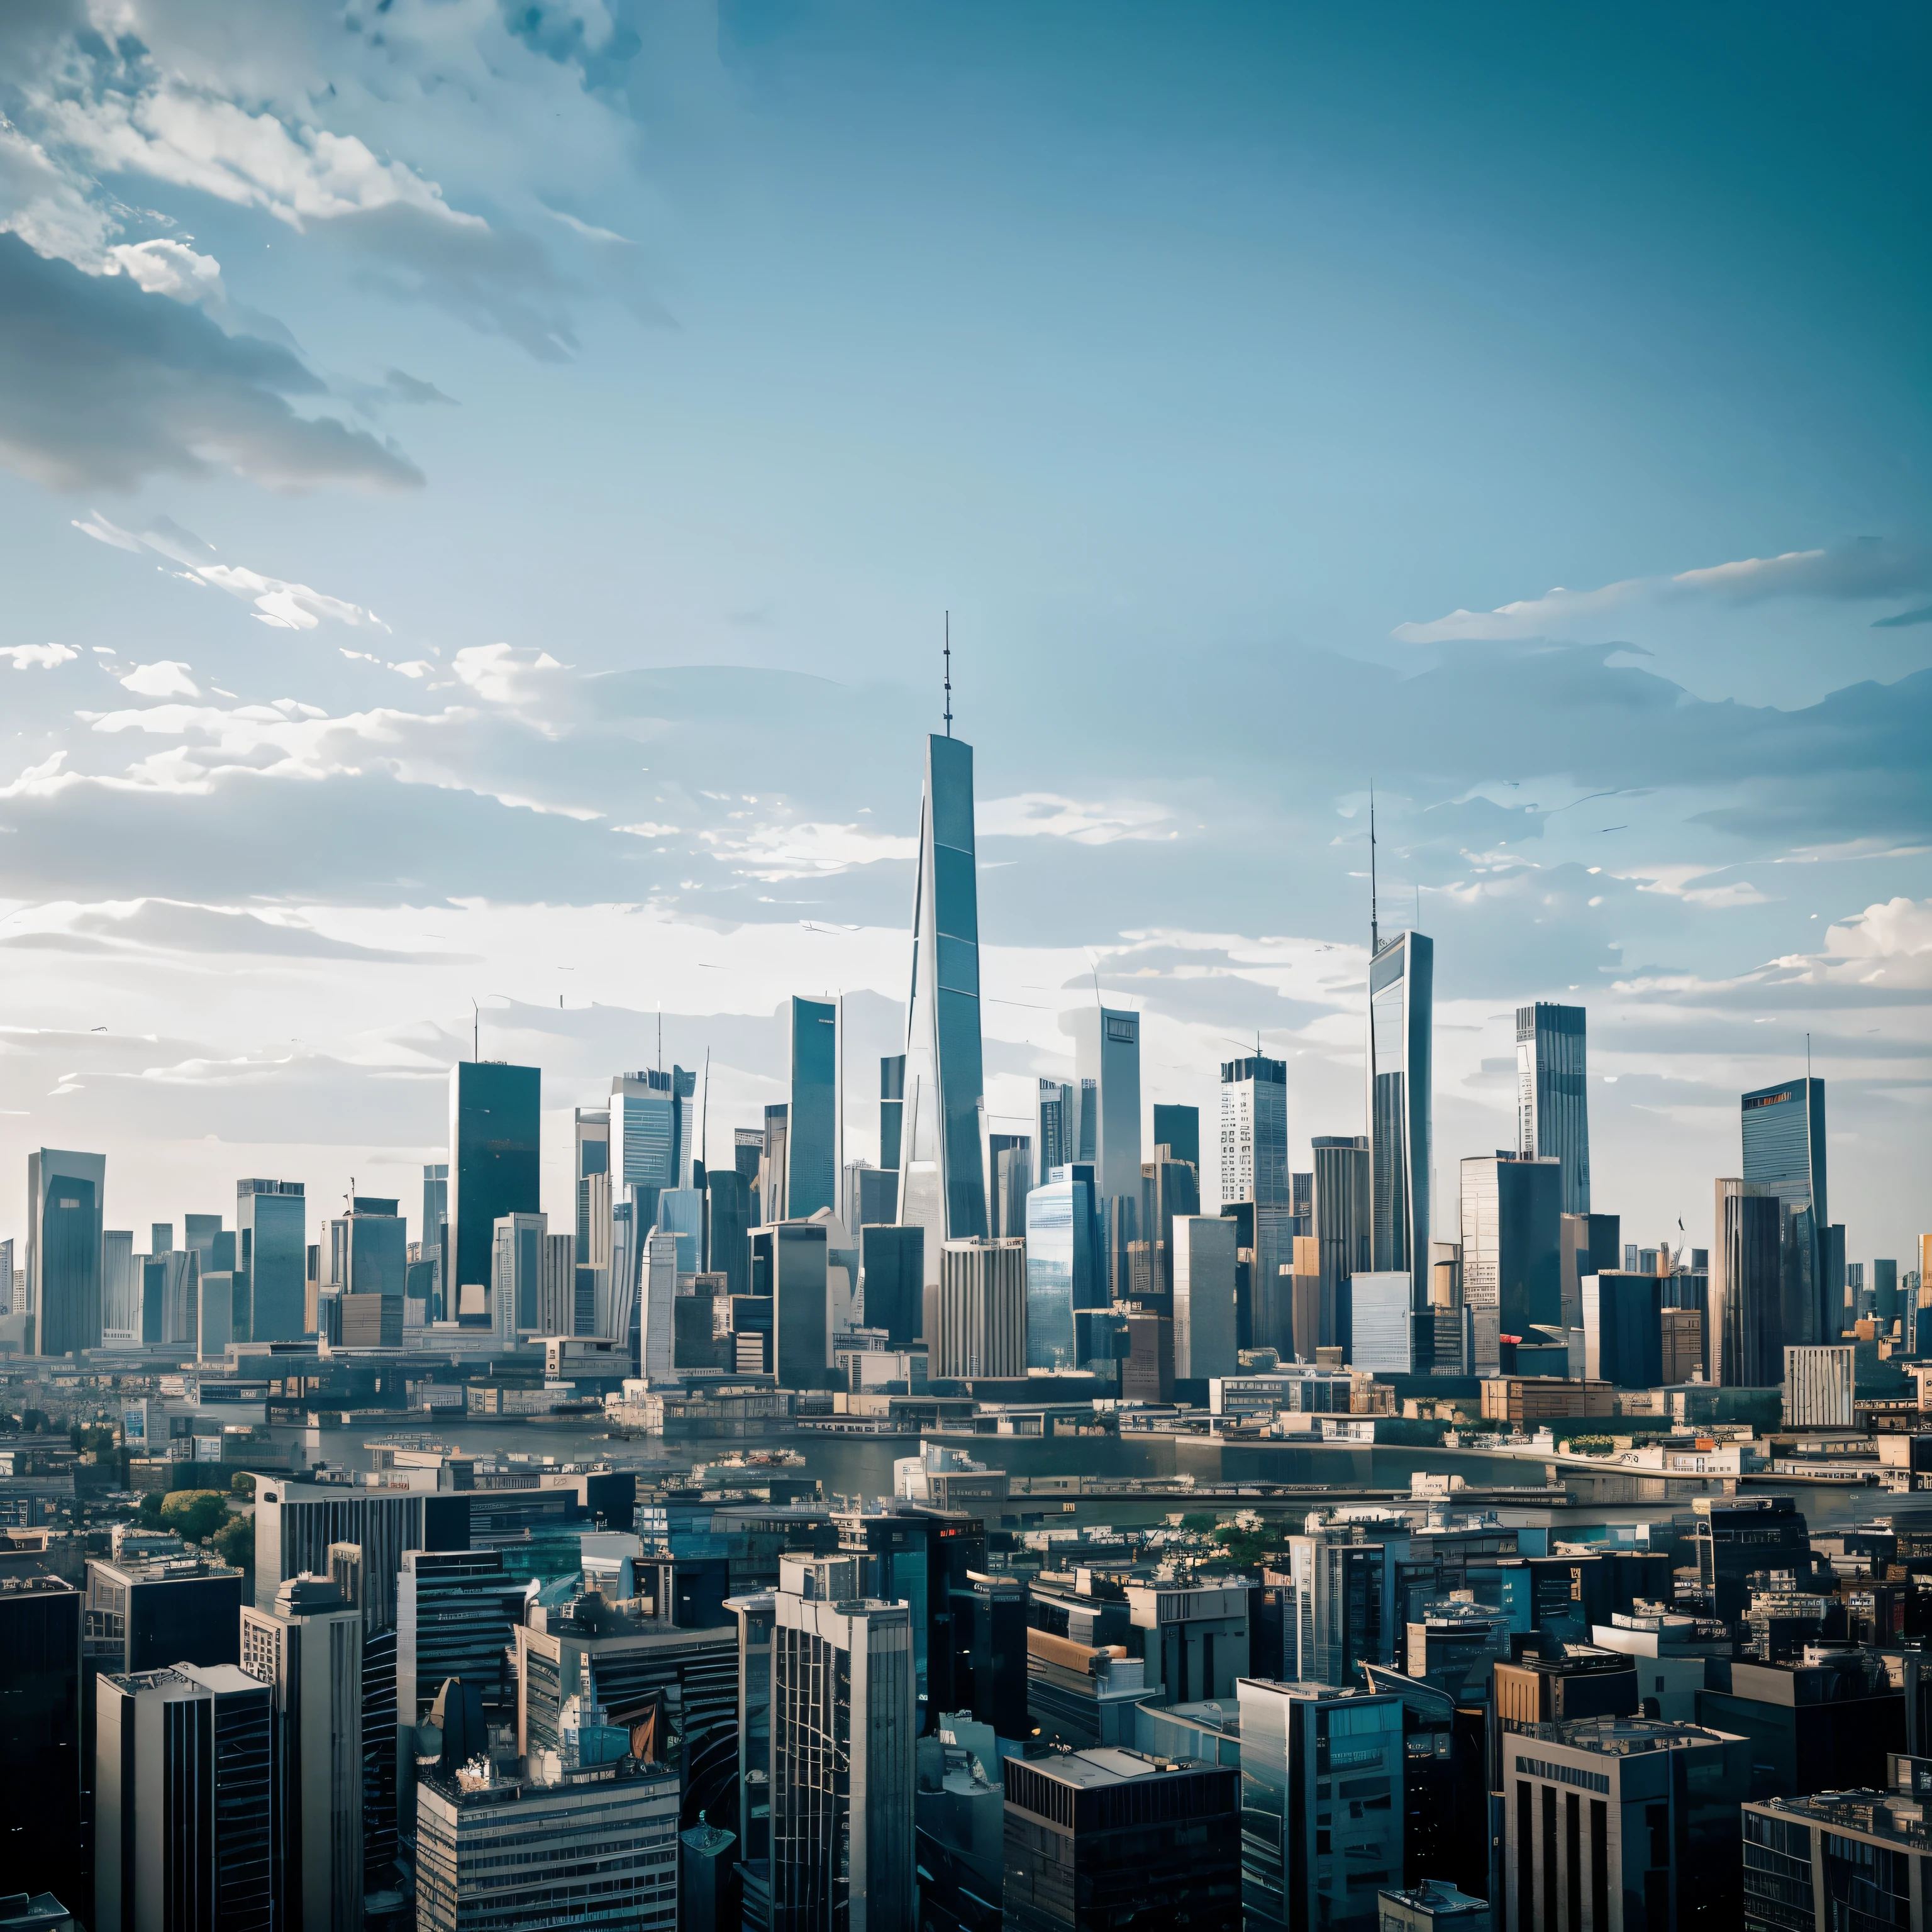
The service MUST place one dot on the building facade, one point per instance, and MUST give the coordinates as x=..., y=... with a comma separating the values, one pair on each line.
x=1553, y=1111
x=495, y=1136
x=1401, y=1020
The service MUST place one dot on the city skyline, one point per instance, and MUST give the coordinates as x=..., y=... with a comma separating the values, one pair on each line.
x=573, y=637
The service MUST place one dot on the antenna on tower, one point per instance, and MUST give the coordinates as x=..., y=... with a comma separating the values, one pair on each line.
x=949, y=673
x=1375, y=927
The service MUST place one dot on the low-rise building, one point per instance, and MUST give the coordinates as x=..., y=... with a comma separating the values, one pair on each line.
x=1543, y=1398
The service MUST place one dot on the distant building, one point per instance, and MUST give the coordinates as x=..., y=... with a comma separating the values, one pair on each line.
x=1512, y=1268
x=1552, y=1095
x=1746, y=1289
x=1178, y=1130
x=64, y=1195
x=1343, y=1201
x=892, y=1109
x=1062, y=1268
x=270, y=1238
x=1818, y=1387
x=1107, y=1051
x=943, y=1160
x=1783, y=1145
x=815, y=1143
x=1204, y=1296
x=1623, y=1329
x=1382, y=1325
x=980, y=1310
x=1399, y=1107
x=495, y=1131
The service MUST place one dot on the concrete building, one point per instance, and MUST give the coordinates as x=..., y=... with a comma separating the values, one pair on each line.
x=843, y=1722
x=146, y=1613
x=1193, y=1639
x=1841, y=1858
x=594, y=1846
x=1622, y=1822
x=1818, y=1387
x=1203, y=1250
x=1095, y=1838
x=178, y=1848
x=978, y=1324
x=309, y=1651
x=1382, y=1324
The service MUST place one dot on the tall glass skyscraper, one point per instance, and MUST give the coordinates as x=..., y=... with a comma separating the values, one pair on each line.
x=1107, y=1053
x=495, y=1125
x=272, y=1259
x=1056, y=1134
x=1254, y=1131
x=1341, y=1195
x=64, y=1194
x=815, y=1136
x=1401, y=1014
x=1783, y=1133
x=1552, y=1110
x=945, y=1187
x=1062, y=1269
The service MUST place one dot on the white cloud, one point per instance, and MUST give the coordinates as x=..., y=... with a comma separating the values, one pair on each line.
x=165, y=679
x=1863, y=571
x=504, y=673
x=1032, y=813
x=1679, y=882
x=279, y=603
x=810, y=850
x=164, y=267
x=43, y=657
x=46, y=206
x=193, y=138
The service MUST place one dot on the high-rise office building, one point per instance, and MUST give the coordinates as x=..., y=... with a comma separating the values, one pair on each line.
x=979, y=1320
x=1105, y=1838
x=843, y=1721
x=120, y=1286
x=944, y=1158
x=1623, y=1331
x=64, y=1194
x=728, y=1228
x=1748, y=1338
x=184, y=1801
x=1254, y=1131
x=654, y=1352
x=892, y=1267
x=456, y=1611
x=1587, y=1244
x=1178, y=1130
x=495, y=1137
x=297, y=1524
x=1343, y=1198
x=308, y=1650
x=1062, y=1269
x=1512, y=1261
x=1624, y=1821
x=271, y=1243
x=591, y=1128
x=1107, y=1051
x=174, y=1607
x=435, y=1210
x=650, y=1151
x=1400, y=1107
x=892, y=1109
x=1009, y=1159
x=516, y=1273
x=1783, y=1137
x=42, y=1743
x=1056, y=1128
x=792, y=1257
x=1203, y=1249
x=557, y=1310
x=1311, y=1855
x=495, y=1852
x=815, y=1144
x=1553, y=1106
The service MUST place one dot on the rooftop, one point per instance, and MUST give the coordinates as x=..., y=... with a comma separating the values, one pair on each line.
x=1618, y=1737
x=1878, y=1813
x=1106, y=1764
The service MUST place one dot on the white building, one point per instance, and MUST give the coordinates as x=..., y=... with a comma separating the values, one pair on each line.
x=1818, y=1384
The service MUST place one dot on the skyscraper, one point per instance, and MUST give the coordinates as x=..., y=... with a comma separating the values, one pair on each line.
x=308, y=1650
x=1107, y=1051
x=41, y=1739
x=944, y=1161
x=1203, y=1249
x=120, y=1285
x=183, y=1801
x=1400, y=1023
x=1512, y=1253
x=979, y=1320
x=1341, y=1198
x=1783, y=1135
x=815, y=1142
x=271, y=1243
x=1056, y=1136
x=495, y=1129
x=516, y=1273
x=892, y=1107
x=843, y=1718
x=64, y=1193
x=1178, y=1130
x=1747, y=1339
x=1552, y=1112
x=1254, y=1131
x=650, y=1151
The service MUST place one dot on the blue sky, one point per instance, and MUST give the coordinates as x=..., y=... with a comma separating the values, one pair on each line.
x=479, y=487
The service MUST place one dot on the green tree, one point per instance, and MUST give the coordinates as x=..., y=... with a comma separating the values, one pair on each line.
x=196, y=1513
x=234, y=1542
x=241, y=1482
x=151, y=1509
x=1201, y=1522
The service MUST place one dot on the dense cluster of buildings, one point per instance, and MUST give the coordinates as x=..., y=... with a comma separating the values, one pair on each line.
x=489, y=1698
